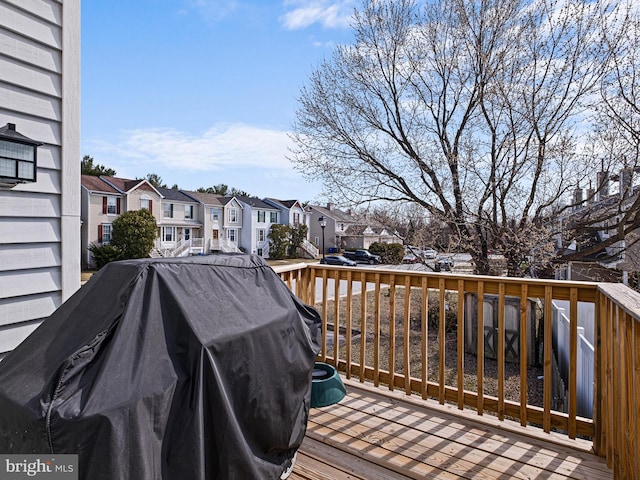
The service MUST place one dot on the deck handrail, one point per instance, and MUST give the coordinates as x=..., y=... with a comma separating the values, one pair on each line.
x=613, y=428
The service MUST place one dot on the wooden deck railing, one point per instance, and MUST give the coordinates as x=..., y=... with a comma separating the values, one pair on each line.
x=414, y=331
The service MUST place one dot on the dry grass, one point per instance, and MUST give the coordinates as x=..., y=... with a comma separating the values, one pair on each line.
x=470, y=365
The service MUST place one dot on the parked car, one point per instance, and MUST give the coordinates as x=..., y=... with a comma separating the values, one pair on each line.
x=429, y=253
x=410, y=258
x=363, y=256
x=337, y=260
x=443, y=264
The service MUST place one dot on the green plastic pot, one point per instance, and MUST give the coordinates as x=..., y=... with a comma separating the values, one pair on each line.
x=326, y=386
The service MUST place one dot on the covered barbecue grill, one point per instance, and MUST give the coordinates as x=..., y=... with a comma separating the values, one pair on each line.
x=193, y=368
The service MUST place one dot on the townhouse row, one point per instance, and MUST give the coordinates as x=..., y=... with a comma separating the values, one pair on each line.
x=188, y=222
x=191, y=223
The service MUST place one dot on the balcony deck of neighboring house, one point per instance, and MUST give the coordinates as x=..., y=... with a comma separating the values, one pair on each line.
x=416, y=407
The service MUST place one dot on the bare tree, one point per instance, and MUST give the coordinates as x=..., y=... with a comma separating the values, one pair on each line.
x=614, y=146
x=471, y=109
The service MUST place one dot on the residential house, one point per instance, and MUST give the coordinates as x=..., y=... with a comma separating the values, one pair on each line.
x=343, y=230
x=221, y=219
x=40, y=215
x=363, y=235
x=616, y=262
x=292, y=212
x=337, y=222
x=180, y=223
x=257, y=218
x=103, y=199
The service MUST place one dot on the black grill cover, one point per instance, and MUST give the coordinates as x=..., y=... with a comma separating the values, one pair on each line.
x=177, y=369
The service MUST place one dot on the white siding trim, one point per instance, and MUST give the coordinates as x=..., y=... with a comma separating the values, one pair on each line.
x=70, y=188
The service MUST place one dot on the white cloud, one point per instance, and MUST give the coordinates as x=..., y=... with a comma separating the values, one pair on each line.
x=242, y=156
x=237, y=146
x=329, y=14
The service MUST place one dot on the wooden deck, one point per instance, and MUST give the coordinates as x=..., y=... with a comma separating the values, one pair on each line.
x=374, y=434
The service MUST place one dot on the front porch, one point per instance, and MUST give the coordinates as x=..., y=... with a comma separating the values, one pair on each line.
x=417, y=408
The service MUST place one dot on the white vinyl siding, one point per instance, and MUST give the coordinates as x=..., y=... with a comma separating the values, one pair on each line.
x=40, y=222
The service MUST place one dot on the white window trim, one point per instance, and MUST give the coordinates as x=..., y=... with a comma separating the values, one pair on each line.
x=106, y=238
x=112, y=202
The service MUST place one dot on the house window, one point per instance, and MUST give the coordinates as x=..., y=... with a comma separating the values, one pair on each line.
x=261, y=216
x=214, y=215
x=168, y=234
x=145, y=203
x=317, y=241
x=188, y=211
x=106, y=233
x=112, y=205
x=273, y=217
x=233, y=215
x=167, y=210
x=259, y=252
x=296, y=218
x=261, y=234
x=231, y=235
x=187, y=234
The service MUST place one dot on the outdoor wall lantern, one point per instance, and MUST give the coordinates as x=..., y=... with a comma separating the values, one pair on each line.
x=18, y=157
x=323, y=224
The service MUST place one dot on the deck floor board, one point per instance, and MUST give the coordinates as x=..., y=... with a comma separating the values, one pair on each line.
x=373, y=434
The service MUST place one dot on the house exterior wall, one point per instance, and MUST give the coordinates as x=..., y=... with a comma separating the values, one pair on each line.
x=249, y=237
x=133, y=201
x=296, y=215
x=212, y=224
x=84, y=228
x=40, y=222
x=230, y=224
x=92, y=216
x=179, y=220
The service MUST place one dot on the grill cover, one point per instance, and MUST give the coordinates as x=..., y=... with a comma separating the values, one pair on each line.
x=193, y=368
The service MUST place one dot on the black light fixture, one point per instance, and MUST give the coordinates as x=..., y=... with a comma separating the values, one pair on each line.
x=18, y=156
x=323, y=224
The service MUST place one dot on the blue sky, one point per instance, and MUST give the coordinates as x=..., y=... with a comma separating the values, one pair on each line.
x=203, y=92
